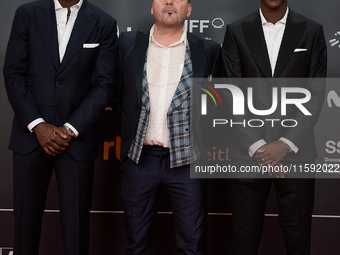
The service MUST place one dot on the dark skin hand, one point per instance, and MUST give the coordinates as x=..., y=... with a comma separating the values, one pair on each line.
x=272, y=153
x=52, y=139
x=63, y=129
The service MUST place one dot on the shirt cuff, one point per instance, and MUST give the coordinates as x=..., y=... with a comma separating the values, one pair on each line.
x=72, y=128
x=255, y=146
x=35, y=123
x=291, y=145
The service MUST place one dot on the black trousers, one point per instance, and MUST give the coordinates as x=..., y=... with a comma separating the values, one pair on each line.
x=295, y=206
x=141, y=186
x=32, y=175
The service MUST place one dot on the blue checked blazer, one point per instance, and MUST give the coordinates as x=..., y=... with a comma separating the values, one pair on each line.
x=202, y=59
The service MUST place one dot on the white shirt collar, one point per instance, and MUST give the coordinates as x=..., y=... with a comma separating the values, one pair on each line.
x=58, y=6
x=183, y=38
x=282, y=21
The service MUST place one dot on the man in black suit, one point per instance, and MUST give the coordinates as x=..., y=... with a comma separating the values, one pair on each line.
x=59, y=72
x=158, y=67
x=275, y=42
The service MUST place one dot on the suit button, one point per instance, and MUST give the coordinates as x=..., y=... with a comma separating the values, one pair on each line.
x=51, y=106
x=57, y=83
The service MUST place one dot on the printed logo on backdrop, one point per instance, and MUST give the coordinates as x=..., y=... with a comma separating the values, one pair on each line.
x=200, y=25
x=217, y=23
x=196, y=25
x=6, y=251
x=335, y=42
x=332, y=148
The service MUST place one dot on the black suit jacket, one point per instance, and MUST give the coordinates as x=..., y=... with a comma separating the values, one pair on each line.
x=245, y=55
x=75, y=90
x=205, y=57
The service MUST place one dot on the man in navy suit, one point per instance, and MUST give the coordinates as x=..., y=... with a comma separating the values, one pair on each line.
x=275, y=42
x=59, y=72
x=157, y=68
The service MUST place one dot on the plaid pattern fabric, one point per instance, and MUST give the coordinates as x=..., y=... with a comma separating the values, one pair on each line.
x=182, y=149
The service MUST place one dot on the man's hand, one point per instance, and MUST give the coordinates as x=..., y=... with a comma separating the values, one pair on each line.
x=53, y=140
x=63, y=129
x=272, y=154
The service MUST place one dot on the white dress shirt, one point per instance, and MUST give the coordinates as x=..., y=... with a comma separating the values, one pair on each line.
x=64, y=28
x=164, y=70
x=273, y=34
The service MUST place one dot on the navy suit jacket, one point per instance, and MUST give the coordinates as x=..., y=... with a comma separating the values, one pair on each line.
x=245, y=55
x=205, y=57
x=75, y=90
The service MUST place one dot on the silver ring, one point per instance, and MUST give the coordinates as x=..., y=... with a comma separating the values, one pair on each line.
x=263, y=160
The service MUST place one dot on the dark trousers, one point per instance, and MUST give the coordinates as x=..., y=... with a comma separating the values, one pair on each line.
x=295, y=206
x=32, y=175
x=141, y=186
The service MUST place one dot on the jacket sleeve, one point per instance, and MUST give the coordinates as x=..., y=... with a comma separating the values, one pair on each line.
x=16, y=81
x=103, y=79
x=232, y=68
x=316, y=85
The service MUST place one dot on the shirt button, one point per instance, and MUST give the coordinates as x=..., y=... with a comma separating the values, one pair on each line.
x=57, y=83
x=51, y=106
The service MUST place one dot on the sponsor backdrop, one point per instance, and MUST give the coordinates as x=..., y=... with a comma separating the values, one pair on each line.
x=209, y=19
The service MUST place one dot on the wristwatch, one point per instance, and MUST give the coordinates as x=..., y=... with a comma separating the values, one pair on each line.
x=287, y=146
x=70, y=131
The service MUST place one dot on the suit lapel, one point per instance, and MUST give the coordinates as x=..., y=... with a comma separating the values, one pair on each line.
x=185, y=83
x=255, y=38
x=141, y=47
x=197, y=55
x=82, y=28
x=291, y=38
x=48, y=28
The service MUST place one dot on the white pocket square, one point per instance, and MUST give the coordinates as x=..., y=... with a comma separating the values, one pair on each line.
x=90, y=45
x=299, y=50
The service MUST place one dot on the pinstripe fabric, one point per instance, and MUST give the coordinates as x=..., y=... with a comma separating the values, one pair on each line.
x=181, y=151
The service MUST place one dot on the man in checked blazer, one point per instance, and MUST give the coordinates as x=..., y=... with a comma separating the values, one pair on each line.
x=158, y=67
x=59, y=71
x=275, y=42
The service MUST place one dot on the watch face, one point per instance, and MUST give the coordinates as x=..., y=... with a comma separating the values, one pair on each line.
x=70, y=132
